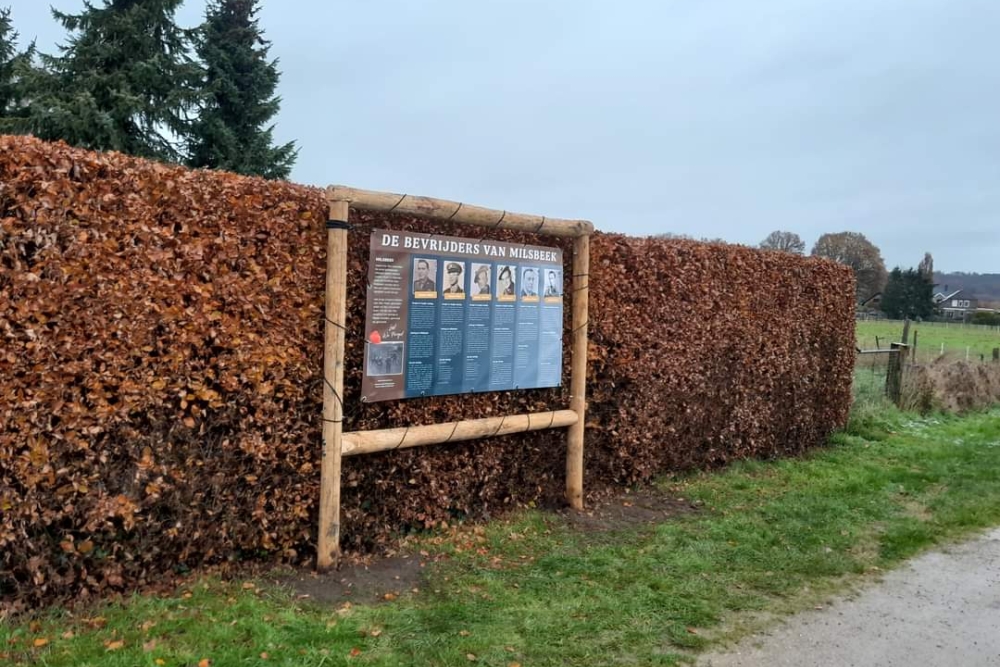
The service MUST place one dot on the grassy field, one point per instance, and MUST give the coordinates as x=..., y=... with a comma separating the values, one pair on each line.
x=769, y=538
x=956, y=338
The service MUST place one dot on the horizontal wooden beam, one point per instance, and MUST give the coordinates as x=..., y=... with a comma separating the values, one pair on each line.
x=367, y=442
x=452, y=211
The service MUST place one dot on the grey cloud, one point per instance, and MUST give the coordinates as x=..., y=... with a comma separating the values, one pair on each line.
x=702, y=117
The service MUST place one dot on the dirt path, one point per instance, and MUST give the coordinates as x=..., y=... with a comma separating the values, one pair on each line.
x=942, y=608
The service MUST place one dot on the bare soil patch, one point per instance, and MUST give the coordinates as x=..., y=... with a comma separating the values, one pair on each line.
x=627, y=510
x=383, y=579
x=377, y=580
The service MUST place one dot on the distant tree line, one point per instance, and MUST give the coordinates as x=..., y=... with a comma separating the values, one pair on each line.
x=129, y=79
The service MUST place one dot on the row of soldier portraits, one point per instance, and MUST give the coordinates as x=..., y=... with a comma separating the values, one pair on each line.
x=483, y=282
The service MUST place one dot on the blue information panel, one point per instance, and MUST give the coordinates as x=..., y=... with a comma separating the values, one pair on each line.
x=449, y=315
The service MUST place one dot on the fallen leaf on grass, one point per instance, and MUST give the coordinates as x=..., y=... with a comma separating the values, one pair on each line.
x=160, y=662
x=471, y=657
x=204, y=662
x=264, y=656
x=149, y=646
x=464, y=633
x=40, y=642
x=68, y=634
x=355, y=652
x=114, y=645
x=389, y=597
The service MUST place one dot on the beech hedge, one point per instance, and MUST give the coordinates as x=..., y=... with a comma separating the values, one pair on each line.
x=161, y=368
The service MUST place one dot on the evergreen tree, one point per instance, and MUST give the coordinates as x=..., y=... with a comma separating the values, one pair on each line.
x=238, y=100
x=13, y=66
x=908, y=293
x=123, y=82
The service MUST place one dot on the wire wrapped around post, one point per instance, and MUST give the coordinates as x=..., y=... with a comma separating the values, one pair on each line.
x=328, y=547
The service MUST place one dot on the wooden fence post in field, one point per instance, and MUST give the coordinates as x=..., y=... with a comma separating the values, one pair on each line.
x=894, y=373
x=906, y=331
x=913, y=353
x=996, y=354
x=328, y=551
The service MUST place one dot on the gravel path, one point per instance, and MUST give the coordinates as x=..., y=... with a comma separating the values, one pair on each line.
x=942, y=608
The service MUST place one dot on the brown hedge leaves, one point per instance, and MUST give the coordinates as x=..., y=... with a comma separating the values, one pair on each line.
x=161, y=353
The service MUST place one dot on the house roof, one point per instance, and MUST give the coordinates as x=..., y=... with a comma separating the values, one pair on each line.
x=939, y=297
x=873, y=297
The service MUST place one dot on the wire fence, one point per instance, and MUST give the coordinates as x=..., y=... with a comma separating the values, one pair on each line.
x=898, y=375
x=870, y=373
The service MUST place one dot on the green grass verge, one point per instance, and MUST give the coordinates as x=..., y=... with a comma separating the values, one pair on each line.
x=772, y=537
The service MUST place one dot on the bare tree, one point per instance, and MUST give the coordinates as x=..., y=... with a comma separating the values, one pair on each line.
x=785, y=241
x=857, y=252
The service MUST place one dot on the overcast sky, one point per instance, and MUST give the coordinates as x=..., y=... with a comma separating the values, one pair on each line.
x=712, y=118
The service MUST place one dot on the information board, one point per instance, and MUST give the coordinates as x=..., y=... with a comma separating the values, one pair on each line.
x=449, y=315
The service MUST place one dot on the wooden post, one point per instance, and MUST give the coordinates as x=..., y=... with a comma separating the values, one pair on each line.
x=913, y=351
x=894, y=373
x=328, y=548
x=457, y=212
x=578, y=377
x=367, y=442
x=906, y=331
x=996, y=354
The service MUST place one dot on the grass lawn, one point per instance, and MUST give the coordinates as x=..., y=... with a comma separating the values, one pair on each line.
x=770, y=538
x=956, y=338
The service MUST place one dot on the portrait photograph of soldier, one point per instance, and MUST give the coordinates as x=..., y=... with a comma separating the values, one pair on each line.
x=424, y=273
x=454, y=280
x=385, y=359
x=506, y=287
x=529, y=284
x=482, y=288
x=553, y=284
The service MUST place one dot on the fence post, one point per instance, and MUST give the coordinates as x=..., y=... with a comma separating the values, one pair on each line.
x=578, y=377
x=906, y=331
x=328, y=547
x=913, y=351
x=996, y=354
x=894, y=373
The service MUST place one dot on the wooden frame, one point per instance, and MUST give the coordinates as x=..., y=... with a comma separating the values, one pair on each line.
x=337, y=444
